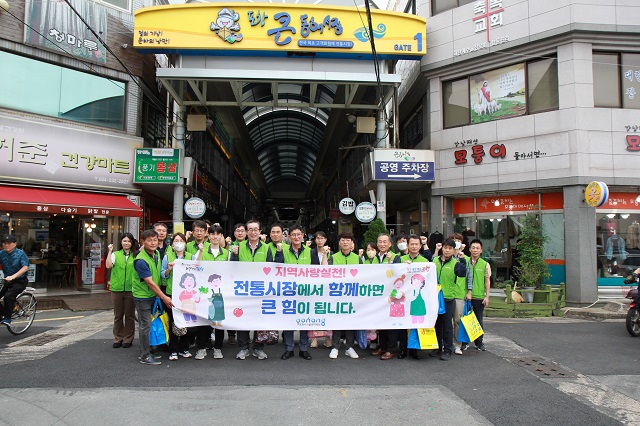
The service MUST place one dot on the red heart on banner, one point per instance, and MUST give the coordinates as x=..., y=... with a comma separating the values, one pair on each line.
x=354, y=272
x=266, y=270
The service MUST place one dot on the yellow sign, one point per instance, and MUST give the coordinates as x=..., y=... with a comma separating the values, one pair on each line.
x=596, y=194
x=268, y=28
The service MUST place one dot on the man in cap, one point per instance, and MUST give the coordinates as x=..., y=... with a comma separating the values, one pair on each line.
x=15, y=265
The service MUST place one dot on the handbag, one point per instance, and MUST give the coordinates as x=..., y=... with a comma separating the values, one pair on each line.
x=159, y=332
x=314, y=334
x=267, y=337
x=463, y=336
x=471, y=324
x=422, y=338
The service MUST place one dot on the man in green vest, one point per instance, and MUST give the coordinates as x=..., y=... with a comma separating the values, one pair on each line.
x=253, y=250
x=146, y=288
x=297, y=254
x=276, y=235
x=448, y=268
x=479, y=283
x=345, y=256
x=199, y=234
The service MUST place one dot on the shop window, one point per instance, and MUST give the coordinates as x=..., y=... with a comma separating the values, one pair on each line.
x=606, y=84
x=617, y=246
x=120, y=4
x=630, y=74
x=501, y=93
x=42, y=88
x=439, y=6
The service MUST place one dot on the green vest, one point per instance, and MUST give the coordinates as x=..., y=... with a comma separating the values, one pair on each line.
x=407, y=258
x=171, y=257
x=274, y=250
x=223, y=254
x=373, y=261
x=304, y=257
x=244, y=252
x=140, y=288
x=192, y=247
x=448, y=280
x=478, y=291
x=461, y=282
x=340, y=259
x=122, y=272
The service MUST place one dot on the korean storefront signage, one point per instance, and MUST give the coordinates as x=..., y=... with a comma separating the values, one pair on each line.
x=60, y=29
x=347, y=205
x=509, y=203
x=487, y=16
x=32, y=152
x=633, y=140
x=404, y=164
x=596, y=194
x=195, y=208
x=157, y=165
x=365, y=212
x=250, y=29
x=498, y=94
x=622, y=201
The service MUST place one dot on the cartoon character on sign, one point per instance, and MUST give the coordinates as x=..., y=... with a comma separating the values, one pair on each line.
x=397, y=299
x=226, y=26
x=216, y=308
x=189, y=297
x=418, y=309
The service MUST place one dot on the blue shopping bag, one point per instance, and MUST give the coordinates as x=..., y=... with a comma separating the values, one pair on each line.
x=441, y=308
x=361, y=338
x=159, y=332
x=413, y=340
x=463, y=336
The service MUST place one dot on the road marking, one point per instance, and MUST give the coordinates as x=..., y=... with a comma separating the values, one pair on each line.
x=58, y=319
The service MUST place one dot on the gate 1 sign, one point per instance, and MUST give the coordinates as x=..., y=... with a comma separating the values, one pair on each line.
x=157, y=165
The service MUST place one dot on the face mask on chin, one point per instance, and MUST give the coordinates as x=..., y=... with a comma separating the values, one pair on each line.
x=178, y=246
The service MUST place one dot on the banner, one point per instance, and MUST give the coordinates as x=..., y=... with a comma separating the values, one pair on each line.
x=273, y=296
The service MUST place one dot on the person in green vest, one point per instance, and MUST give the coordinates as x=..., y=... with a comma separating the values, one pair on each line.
x=240, y=234
x=178, y=345
x=461, y=292
x=124, y=310
x=199, y=234
x=213, y=253
x=478, y=287
x=277, y=237
x=297, y=254
x=146, y=289
x=253, y=250
x=448, y=268
x=318, y=255
x=345, y=256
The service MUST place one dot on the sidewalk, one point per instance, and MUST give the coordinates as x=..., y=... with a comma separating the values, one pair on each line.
x=95, y=300
x=612, y=309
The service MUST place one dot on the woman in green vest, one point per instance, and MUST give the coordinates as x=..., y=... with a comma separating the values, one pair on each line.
x=178, y=345
x=124, y=311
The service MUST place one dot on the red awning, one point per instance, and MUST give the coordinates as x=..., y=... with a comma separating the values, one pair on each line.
x=50, y=201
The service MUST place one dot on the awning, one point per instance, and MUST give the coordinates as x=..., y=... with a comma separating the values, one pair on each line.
x=50, y=201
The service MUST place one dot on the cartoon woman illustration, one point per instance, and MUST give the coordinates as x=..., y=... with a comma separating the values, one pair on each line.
x=418, y=309
x=397, y=299
x=189, y=297
x=216, y=309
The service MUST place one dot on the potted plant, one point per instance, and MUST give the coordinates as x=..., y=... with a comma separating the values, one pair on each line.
x=532, y=270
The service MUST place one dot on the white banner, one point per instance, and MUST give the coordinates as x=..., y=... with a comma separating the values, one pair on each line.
x=273, y=296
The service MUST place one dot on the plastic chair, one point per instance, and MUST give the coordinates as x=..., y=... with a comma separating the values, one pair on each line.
x=55, y=272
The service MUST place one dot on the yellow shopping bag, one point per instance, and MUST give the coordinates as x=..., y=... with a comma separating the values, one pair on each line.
x=422, y=338
x=471, y=324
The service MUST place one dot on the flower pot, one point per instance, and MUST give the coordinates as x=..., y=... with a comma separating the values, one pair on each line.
x=527, y=295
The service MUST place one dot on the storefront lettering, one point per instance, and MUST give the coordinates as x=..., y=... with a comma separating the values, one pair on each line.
x=466, y=142
x=528, y=155
x=477, y=153
x=113, y=166
x=628, y=127
x=151, y=37
x=633, y=143
x=73, y=40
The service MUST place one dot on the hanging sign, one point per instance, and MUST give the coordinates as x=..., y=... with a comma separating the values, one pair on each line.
x=365, y=212
x=596, y=194
x=194, y=207
x=347, y=206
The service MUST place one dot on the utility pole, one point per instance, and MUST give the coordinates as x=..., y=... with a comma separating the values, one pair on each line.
x=381, y=189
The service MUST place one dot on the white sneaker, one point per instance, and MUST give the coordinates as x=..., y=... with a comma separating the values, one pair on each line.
x=458, y=351
x=217, y=354
x=259, y=353
x=173, y=356
x=242, y=354
x=351, y=353
x=185, y=354
x=333, y=354
x=201, y=354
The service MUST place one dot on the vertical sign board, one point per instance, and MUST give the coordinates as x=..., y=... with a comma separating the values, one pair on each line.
x=157, y=165
x=404, y=165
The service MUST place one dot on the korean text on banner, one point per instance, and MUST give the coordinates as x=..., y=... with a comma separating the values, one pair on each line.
x=272, y=296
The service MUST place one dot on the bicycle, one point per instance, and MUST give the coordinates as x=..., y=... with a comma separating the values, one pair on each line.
x=24, y=311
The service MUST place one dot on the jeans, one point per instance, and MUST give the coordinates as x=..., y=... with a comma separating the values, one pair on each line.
x=350, y=336
x=457, y=313
x=478, y=309
x=444, y=327
x=10, y=293
x=287, y=336
x=143, y=308
x=244, y=340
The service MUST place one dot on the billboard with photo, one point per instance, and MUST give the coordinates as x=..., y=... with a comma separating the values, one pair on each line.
x=498, y=94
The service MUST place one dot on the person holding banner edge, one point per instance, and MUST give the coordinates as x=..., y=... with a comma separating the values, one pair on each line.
x=318, y=255
x=478, y=285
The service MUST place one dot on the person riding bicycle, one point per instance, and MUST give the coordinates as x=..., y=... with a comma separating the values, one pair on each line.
x=15, y=264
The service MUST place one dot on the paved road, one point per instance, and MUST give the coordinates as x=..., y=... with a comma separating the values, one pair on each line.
x=64, y=371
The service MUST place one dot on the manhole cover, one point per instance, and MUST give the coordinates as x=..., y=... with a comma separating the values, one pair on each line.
x=544, y=368
x=41, y=340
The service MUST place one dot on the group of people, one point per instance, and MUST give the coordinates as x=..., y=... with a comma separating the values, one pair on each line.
x=138, y=278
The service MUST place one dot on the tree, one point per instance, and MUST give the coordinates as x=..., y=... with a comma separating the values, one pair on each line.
x=533, y=270
x=376, y=227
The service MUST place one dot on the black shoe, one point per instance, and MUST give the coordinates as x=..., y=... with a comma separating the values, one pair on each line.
x=481, y=347
x=287, y=355
x=306, y=355
x=117, y=345
x=414, y=353
x=435, y=353
x=126, y=345
x=402, y=354
x=445, y=356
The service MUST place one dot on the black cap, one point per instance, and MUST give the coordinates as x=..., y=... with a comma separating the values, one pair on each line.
x=8, y=238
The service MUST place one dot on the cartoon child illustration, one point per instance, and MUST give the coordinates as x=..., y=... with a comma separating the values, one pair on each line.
x=418, y=309
x=397, y=299
x=216, y=309
x=189, y=297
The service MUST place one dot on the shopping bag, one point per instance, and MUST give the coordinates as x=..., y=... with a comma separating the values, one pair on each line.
x=441, y=308
x=159, y=332
x=314, y=334
x=268, y=337
x=463, y=336
x=422, y=338
x=361, y=338
x=471, y=325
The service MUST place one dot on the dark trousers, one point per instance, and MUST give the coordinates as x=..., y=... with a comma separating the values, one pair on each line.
x=231, y=333
x=10, y=293
x=388, y=339
x=350, y=336
x=478, y=309
x=143, y=309
x=203, y=335
x=444, y=327
x=244, y=340
x=176, y=343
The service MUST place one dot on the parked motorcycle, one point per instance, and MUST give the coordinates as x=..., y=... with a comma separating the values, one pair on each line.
x=633, y=315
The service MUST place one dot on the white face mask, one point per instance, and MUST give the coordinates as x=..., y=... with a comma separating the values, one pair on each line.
x=402, y=246
x=371, y=254
x=178, y=246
